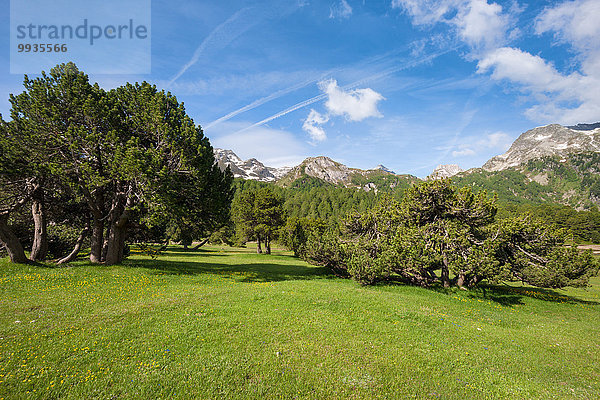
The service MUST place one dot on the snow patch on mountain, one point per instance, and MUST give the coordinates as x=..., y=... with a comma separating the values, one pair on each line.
x=549, y=140
x=251, y=169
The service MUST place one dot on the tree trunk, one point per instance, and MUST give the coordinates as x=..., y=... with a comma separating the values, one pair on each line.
x=11, y=241
x=445, y=272
x=39, y=248
x=95, y=202
x=119, y=217
x=116, y=244
x=258, y=248
x=268, y=245
x=202, y=243
x=461, y=281
x=105, y=243
x=97, y=241
x=77, y=247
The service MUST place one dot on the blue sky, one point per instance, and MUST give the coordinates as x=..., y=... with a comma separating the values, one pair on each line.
x=405, y=83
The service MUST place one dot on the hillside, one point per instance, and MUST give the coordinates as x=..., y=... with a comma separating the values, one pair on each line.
x=227, y=323
x=573, y=180
x=547, y=141
x=552, y=164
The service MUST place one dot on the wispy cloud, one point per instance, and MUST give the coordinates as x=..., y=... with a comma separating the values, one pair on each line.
x=386, y=63
x=273, y=96
x=371, y=78
x=341, y=10
x=478, y=23
x=221, y=36
x=471, y=146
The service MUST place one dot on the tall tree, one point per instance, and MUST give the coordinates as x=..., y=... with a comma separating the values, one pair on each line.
x=66, y=124
x=132, y=153
x=258, y=214
x=167, y=169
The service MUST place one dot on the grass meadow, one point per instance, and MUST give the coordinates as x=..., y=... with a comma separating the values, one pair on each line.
x=230, y=324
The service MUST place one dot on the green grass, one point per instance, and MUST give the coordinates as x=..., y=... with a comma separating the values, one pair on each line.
x=232, y=324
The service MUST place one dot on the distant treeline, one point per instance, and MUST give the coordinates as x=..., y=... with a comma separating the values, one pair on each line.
x=313, y=198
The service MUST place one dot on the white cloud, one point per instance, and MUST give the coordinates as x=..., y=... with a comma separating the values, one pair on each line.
x=498, y=140
x=521, y=67
x=471, y=146
x=463, y=153
x=573, y=21
x=340, y=10
x=576, y=24
x=273, y=147
x=480, y=24
x=426, y=12
x=354, y=105
x=312, y=125
x=565, y=98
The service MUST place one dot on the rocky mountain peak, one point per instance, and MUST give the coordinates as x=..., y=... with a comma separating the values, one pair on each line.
x=445, y=171
x=323, y=168
x=249, y=169
x=549, y=140
x=382, y=168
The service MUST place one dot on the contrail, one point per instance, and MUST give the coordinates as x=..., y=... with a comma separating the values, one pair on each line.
x=287, y=111
x=264, y=100
x=283, y=92
x=219, y=34
x=352, y=85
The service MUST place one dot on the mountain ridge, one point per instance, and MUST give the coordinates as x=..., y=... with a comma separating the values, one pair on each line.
x=544, y=141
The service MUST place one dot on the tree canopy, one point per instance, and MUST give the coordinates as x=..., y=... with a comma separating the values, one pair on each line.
x=442, y=234
x=131, y=154
x=258, y=214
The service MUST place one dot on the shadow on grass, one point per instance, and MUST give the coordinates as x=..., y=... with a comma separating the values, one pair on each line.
x=509, y=296
x=549, y=295
x=267, y=271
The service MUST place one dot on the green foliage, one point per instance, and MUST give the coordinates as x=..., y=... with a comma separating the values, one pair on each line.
x=298, y=231
x=132, y=155
x=439, y=228
x=535, y=253
x=258, y=214
x=171, y=162
x=224, y=236
x=61, y=239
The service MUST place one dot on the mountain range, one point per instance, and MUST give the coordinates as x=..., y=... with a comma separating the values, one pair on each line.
x=552, y=163
x=549, y=140
x=248, y=169
x=543, y=141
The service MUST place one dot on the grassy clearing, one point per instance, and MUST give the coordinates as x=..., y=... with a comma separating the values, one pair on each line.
x=232, y=324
